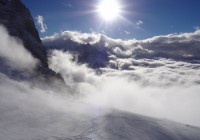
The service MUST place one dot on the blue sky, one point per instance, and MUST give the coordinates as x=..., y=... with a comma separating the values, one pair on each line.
x=141, y=18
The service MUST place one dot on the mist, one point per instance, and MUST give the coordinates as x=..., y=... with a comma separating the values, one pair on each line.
x=14, y=53
x=165, y=98
x=155, y=88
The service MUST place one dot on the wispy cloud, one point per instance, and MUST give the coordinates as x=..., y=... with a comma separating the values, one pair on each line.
x=139, y=23
x=21, y=59
x=40, y=21
x=127, y=32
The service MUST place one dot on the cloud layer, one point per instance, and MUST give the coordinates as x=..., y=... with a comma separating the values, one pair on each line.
x=134, y=79
x=32, y=113
x=166, y=57
x=149, y=76
x=181, y=47
x=149, y=91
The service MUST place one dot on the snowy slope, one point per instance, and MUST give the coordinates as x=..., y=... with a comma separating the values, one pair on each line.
x=28, y=113
x=111, y=126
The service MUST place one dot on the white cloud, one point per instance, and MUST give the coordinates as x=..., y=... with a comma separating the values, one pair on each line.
x=182, y=46
x=36, y=112
x=12, y=50
x=62, y=63
x=139, y=23
x=127, y=33
x=40, y=21
x=82, y=38
x=144, y=75
x=154, y=90
x=136, y=81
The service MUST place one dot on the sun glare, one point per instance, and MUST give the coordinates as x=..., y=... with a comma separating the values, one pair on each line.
x=109, y=9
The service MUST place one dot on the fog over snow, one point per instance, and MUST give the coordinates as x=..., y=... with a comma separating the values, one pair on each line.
x=156, y=77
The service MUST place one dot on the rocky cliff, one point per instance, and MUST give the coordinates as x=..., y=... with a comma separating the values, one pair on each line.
x=17, y=19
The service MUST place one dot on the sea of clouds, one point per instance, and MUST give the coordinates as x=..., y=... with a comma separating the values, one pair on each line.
x=157, y=77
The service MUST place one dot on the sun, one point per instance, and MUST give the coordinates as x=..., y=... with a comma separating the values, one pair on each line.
x=109, y=9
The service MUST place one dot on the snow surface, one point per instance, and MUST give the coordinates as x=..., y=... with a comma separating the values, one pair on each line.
x=30, y=113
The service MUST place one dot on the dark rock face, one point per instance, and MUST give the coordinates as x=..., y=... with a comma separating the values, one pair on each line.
x=19, y=23
x=17, y=19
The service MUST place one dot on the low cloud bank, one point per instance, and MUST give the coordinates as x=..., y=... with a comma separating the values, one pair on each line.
x=179, y=47
x=158, y=87
x=148, y=77
x=153, y=92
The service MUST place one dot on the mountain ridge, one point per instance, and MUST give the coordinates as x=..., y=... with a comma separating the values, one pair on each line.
x=17, y=19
